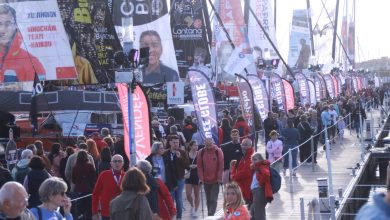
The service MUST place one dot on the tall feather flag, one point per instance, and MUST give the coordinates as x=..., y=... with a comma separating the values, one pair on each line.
x=36, y=91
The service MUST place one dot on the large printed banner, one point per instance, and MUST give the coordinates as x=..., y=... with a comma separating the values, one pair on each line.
x=260, y=95
x=289, y=94
x=351, y=43
x=246, y=101
x=33, y=40
x=277, y=91
x=204, y=104
x=141, y=24
x=339, y=84
x=137, y=136
x=226, y=61
x=336, y=86
x=189, y=36
x=330, y=86
x=304, y=91
x=299, y=52
x=92, y=38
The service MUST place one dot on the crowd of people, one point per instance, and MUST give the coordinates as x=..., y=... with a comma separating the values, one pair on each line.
x=96, y=172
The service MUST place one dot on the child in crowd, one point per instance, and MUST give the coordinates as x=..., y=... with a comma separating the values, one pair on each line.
x=274, y=149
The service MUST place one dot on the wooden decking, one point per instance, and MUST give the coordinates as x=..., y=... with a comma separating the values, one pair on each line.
x=286, y=204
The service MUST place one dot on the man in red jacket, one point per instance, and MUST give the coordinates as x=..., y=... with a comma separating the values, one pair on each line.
x=210, y=168
x=241, y=173
x=107, y=188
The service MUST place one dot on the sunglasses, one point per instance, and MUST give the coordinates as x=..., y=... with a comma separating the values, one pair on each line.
x=117, y=161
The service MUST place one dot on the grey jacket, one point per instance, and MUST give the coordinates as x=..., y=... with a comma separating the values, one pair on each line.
x=120, y=207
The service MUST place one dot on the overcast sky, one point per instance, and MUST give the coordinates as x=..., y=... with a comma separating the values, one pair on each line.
x=372, y=31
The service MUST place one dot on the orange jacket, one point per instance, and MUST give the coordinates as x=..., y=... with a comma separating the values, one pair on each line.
x=19, y=61
x=240, y=213
x=210, y=166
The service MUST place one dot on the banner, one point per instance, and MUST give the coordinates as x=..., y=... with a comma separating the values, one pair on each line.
x=260, y=95
x=355, y=84
x=204, y=104
x=339, y=84
x=313, y=98
x=303, y=86
x=299, y=49
x=136, y=136
x=92, y=38
x=230, y=12
x=329, y=85
x=36, y=91
x=141, y=24
x=142, y=135
x=277, y=91
x=289, y=94
x=124, y=103
x=257, y=39
x=189, y=36
x=351, y=43
x=320, y=89
x=336, y=86
x=34, y=41
x=246, y=101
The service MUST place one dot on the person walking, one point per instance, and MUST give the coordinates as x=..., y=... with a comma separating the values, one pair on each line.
x=291, y=140
x=210, y=164
x=192, y=182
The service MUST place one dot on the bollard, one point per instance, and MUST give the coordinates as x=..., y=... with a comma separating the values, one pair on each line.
x=302, y=205
x=361, y=138
x=340, y=191
x=290, y=169
x=332, y=207
x=312, y=153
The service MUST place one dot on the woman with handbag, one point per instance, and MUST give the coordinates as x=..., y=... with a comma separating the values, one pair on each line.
x=84, y=177
x=192, y=179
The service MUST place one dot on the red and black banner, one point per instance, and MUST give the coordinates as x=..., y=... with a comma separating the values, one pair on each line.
x=260, y=95
x=204, y=104
x=246, y=101
x=189, y=36
x=304, y=90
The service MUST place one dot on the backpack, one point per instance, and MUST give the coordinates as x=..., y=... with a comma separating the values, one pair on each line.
x=21, y=173
x=276, y=180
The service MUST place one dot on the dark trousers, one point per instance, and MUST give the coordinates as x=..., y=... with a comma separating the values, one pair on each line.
x=211, y=191
x=257, y=209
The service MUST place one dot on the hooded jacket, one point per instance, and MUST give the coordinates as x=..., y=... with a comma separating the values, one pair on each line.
x=263, y=176
x=242, y=174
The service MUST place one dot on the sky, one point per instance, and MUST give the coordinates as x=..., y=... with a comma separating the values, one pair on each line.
x=371, y=17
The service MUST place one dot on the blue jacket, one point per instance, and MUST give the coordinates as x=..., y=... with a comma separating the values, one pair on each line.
x=379, y=209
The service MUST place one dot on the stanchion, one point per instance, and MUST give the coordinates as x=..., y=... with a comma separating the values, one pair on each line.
x=302, y=205
x=361, y=138
x=350, y=124
x=327, y=146
x=332, y=208
x=312, y=153
x=291, y=170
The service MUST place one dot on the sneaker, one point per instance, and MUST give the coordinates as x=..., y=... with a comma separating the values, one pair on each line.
x=194, y=214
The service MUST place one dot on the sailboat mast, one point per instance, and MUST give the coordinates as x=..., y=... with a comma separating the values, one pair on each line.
x=335, y=31
x=313, y=53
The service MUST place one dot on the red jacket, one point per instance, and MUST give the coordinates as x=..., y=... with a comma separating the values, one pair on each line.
x=100, y=143
x=210, y=166
x=263, y=176
x=242, y=174
x=105, y=190
x=220, y=136
x=19, y=61
x=165, y=203
x=240, y=213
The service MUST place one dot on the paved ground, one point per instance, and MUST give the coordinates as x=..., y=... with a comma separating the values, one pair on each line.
x=286, y=204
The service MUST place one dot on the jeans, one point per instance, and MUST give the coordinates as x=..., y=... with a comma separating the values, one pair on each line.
x=294, y=154
x=177, y=195
x=257, y=208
